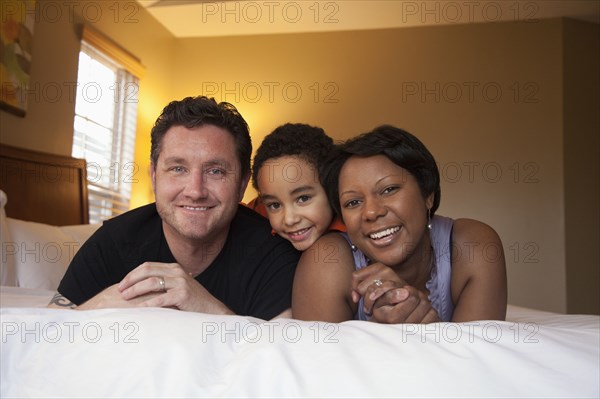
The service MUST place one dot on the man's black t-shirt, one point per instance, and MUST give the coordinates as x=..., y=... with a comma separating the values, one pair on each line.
x=252, y=275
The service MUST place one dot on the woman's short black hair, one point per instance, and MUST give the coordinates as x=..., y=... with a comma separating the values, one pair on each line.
x=401, y=147
x=296, y=139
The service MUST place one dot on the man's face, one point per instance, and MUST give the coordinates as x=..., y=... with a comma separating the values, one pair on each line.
x=197, y=183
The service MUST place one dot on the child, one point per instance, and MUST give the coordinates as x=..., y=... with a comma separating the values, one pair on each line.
x=285, y=172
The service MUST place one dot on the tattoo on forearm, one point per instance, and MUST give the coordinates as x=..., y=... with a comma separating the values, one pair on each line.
x=60, y=300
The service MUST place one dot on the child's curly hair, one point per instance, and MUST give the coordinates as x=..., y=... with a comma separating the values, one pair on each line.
x=307, y=142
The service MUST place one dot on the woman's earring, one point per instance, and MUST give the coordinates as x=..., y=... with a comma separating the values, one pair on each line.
x=429, y=218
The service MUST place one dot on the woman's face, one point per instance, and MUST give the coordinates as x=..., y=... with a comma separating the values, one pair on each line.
x=383, y=208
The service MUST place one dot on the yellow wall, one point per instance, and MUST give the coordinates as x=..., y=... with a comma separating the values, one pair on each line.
x=486, y=99
x=48, y=124
x=489, y=100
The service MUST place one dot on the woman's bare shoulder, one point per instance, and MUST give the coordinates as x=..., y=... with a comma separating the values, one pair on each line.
x=330, y=249
x=471, y=230
x=322, y=284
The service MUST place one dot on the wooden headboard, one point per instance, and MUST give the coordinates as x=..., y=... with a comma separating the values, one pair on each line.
x=44, y=188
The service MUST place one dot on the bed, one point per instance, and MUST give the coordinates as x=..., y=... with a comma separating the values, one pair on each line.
x=169, y=353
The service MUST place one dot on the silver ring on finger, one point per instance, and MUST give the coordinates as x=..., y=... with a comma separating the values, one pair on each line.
x=161, y=283
x=377, y=282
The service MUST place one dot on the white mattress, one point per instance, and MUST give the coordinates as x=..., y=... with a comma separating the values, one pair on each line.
x=169, y=353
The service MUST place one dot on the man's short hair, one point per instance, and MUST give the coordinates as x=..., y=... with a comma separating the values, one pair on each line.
x=198, y=111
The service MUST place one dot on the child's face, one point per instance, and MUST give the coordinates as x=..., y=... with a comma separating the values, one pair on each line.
x=296, y=203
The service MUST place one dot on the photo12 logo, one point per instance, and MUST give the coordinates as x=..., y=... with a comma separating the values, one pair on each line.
x=474, y=172
x=470, y=92
x=270, y=12
x=286, y=331
x=272, y=91
x=90, y=92
x=471, y=332
x=49, y=11
x=69, y=331
x=454, y=12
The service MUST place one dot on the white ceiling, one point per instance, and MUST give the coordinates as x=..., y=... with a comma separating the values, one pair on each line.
x=198, y=18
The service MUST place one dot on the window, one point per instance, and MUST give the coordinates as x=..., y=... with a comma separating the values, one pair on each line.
x=105, y=124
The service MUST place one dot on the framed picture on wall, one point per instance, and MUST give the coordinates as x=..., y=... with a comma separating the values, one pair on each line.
x=16, y=27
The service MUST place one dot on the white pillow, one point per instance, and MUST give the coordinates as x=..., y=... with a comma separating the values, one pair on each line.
x=7, y=259
x=80, y=232
x=43, y=252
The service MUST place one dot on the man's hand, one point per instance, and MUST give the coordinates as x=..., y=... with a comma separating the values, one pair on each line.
x=170, y=286
x=111, y=298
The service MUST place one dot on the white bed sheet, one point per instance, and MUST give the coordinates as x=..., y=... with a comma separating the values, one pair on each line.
x=168, y=353
x=20, y=297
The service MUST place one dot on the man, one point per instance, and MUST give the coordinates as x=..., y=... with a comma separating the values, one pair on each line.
x=195, y=248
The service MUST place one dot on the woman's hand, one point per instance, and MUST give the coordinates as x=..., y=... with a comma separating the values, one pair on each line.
x=388, y=299
x=402, y=305
x=365, y=280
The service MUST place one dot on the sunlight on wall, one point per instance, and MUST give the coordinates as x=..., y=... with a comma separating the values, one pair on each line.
x=256, y=117
x=149, y=109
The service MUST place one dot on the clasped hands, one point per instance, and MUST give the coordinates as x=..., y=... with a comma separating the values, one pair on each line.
x=154, y=284
x=388, y=299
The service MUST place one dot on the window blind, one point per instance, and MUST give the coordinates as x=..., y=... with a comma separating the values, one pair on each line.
x=105, y=123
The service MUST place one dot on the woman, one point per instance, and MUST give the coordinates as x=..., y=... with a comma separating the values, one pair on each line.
x=409, y=265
